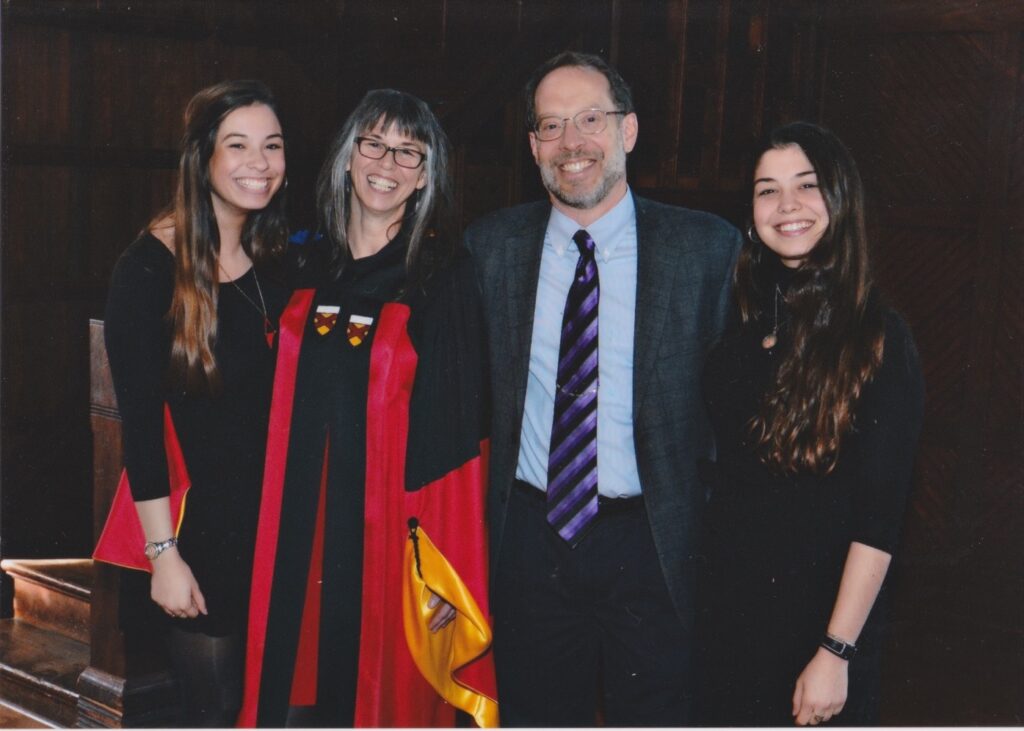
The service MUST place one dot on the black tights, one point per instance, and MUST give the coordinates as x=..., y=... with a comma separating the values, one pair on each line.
x=209, y=674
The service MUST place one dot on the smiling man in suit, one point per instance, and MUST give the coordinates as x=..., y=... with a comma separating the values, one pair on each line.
x=600, y=306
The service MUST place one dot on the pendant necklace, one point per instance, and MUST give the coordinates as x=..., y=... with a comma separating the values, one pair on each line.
x=768, y=341
x=268, y=327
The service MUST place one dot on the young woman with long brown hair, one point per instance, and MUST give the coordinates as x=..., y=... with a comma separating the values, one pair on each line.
x=190, y=326
x=816, y=400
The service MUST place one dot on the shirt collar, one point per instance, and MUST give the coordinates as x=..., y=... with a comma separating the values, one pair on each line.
x=608, y=231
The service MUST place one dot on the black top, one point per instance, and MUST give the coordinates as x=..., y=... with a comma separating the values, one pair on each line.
x=775, y=546
x=222, y=436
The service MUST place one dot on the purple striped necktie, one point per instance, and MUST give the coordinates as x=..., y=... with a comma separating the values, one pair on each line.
x=572, y=460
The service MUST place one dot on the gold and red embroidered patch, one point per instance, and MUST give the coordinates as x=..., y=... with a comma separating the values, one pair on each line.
x=326, y=318
x=358, y=329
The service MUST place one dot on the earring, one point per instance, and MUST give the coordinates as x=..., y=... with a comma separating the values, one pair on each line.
x=348, y=182
x=752, y=234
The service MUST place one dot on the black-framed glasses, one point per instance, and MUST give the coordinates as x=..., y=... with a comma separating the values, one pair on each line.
x=404, y=157
x=588, y=122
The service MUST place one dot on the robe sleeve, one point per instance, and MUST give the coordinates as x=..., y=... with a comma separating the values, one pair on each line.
x=447, y=418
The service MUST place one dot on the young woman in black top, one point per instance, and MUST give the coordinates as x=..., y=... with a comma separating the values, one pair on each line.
x=816, y=400
x=190, y=323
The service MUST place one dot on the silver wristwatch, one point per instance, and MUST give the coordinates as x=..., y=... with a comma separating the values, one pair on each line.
x=152, y=550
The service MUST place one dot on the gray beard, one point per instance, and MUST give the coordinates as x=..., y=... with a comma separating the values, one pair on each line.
x=613, y=173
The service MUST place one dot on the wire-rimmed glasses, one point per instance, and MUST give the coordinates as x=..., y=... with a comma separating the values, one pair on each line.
x=588, y=122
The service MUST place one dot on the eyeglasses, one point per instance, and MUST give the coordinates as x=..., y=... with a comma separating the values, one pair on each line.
x=404, y=157
x=588, y=122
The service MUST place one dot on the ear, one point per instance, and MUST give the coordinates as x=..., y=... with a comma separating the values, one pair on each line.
x=422, y=180
x=630, y=128
x=534, y=142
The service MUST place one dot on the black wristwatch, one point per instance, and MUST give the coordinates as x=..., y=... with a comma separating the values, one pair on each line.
x=839, y=648
x=154, y=549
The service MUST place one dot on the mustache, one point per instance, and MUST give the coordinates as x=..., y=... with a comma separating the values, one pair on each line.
x=577, y=155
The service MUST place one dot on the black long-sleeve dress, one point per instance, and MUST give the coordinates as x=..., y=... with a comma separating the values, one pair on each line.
x=775, y=546
x=222, y=436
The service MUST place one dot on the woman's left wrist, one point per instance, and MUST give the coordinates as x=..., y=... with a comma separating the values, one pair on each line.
x=836, y=645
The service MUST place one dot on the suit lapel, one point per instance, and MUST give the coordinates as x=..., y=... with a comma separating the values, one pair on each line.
x=659, y=259
x=522, y=270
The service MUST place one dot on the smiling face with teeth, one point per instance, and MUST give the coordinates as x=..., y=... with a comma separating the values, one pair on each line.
x=585, y=174
x=380, y=187
x=790, y=214
x=247, y=166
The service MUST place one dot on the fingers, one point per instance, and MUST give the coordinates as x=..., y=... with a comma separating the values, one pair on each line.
x=444, y=614
x=804, y=708
x=808, y=715
x=179, y=611
x=190, y=607
x=442, y=617
x=198, y=601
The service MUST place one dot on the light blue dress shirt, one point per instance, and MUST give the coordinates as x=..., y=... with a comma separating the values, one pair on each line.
x=614, y=237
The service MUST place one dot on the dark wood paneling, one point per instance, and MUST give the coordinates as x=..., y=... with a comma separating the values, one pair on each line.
x=37, y=79
x=874, y=17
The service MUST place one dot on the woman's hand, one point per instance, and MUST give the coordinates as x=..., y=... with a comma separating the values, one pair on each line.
x=821, y=689
x=444, y=615
x=174, y=588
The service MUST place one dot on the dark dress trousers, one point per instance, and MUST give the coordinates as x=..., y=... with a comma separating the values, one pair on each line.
x=684, y=275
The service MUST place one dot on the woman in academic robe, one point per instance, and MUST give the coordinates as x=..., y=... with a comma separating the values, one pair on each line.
x=369, y=601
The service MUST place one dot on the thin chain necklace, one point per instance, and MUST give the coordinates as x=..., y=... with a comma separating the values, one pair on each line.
x=768, y=341
x=268, y=327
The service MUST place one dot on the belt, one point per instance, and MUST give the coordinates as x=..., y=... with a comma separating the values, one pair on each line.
x=605, y=505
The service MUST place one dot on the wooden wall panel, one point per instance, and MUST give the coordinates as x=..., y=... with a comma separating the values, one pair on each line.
x=37, y=87
x=930, y=120
x=46, y=437
x=39, y=229
x=743, y=95
x=926, y=274
x=121, y=202
x=695, y=138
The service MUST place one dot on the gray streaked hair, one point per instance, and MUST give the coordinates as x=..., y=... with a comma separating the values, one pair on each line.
x=428, y=212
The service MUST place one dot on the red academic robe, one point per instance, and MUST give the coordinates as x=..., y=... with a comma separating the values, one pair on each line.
x=406, y=675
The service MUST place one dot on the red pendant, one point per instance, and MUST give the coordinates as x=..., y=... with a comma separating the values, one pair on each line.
x=769, y=341
x=268, y=333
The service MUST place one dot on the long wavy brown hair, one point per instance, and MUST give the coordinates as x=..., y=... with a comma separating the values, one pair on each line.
x=193, y=312
x=836, y=325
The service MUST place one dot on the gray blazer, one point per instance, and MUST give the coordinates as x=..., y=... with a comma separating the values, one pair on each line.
x=684, y=280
